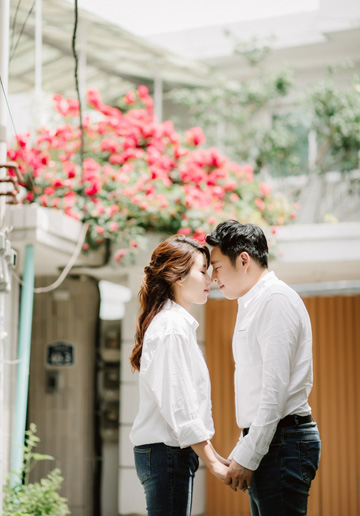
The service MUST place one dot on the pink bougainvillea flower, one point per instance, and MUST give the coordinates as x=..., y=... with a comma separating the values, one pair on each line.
x=119, y=255
x=113, y=208
x=69, y=169
x=199, y=235
x=264, y=189
x=130, y=98
x=136, y=175
x=109, y=145
x=100, y=230
x=93, y=98
x=184, y=231
x=194, y=136
x=66, y=107
x=248, y=171
x=114, y=226
x=43, y=200
x=260, y=204
x=49, y=190
x=92, y=190
x=143, y=92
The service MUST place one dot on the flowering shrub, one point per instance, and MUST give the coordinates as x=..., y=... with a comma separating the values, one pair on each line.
x=138, y=174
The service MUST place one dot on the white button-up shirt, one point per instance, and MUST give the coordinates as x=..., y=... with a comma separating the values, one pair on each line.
x=174, y=383
x=272, y=347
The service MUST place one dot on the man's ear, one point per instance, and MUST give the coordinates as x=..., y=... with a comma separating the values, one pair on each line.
x=244, y=259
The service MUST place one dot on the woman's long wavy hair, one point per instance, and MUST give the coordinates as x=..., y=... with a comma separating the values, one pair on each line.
x=170, y=261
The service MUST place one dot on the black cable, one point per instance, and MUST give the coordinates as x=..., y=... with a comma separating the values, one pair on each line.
x=14, y=24
x=8, y=106
x=13, y=125
x=77, y=86
x=21, y=31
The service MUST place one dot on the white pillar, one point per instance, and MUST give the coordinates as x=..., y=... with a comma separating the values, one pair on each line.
x=158, y=98
x=131, y=495
x=4, y=70
x=38, y=50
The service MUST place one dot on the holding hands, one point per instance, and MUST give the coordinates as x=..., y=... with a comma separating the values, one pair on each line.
x=238, y=477
x=230, y=472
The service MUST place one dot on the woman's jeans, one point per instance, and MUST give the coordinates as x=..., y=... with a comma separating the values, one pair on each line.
x=167, y=475
x=281, y=484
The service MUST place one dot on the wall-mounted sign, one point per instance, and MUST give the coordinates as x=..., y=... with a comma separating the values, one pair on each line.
x=60, y=354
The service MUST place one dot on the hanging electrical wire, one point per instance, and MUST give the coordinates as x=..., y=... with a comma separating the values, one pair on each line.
x=21, y=32
x=73, y=45
x=14, y=128
x=67, y=268
x=13, y=26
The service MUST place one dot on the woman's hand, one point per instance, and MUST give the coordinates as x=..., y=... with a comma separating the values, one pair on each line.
x=217, y=465
x=221, y=459
x=219, y=470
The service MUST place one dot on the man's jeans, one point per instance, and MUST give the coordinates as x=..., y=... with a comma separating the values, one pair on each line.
x=280, y=486
x=167, y=475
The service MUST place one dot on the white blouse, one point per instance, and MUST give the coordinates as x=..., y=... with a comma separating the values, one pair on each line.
x=174, y=383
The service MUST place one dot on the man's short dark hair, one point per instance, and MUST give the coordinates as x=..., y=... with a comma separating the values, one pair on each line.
x=233, y=238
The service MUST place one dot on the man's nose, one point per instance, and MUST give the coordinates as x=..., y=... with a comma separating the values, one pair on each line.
x=213, y=276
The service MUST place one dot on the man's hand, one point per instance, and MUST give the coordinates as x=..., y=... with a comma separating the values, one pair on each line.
x=238, y=477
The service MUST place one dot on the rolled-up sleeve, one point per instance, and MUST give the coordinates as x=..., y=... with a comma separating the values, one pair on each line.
x=170, y=377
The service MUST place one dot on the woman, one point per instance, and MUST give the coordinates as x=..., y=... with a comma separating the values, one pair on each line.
x=174, y=424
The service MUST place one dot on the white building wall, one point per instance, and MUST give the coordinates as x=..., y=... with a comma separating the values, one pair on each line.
x=9, y=355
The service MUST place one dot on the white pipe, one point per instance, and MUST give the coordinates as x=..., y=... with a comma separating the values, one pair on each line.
x=4, y=72
x=38, y=50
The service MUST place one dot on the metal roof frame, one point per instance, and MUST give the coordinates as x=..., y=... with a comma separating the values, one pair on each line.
x=115, y=59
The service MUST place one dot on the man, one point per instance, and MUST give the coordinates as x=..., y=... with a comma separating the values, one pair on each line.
x=278, y=452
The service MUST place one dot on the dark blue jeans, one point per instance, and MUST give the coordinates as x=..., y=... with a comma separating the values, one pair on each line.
x=167, y=475
x=281, y=484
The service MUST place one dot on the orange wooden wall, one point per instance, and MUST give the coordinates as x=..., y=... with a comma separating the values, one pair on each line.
x=335, y=401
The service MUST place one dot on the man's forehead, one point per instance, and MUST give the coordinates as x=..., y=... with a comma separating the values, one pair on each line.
x=216, y=255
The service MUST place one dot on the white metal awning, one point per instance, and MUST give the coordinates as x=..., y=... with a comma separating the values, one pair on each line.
x=112, y=57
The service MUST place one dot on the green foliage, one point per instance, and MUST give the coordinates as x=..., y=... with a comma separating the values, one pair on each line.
x=231, y=116
x=250, y=122
x=23, y=498
x=335, y=115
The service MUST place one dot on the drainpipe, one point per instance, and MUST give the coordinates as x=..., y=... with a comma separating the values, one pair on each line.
x=4, y=59
x=22, y=379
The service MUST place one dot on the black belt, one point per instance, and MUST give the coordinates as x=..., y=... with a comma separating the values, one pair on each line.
x=291, y=420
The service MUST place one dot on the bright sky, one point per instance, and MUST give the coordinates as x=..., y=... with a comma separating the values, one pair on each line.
x=147, y=17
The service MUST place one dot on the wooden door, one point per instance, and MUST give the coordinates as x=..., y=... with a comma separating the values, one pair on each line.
x=335, y=401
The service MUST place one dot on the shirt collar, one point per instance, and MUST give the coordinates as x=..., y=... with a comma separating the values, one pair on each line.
x=174, y=307
x=246, y=299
